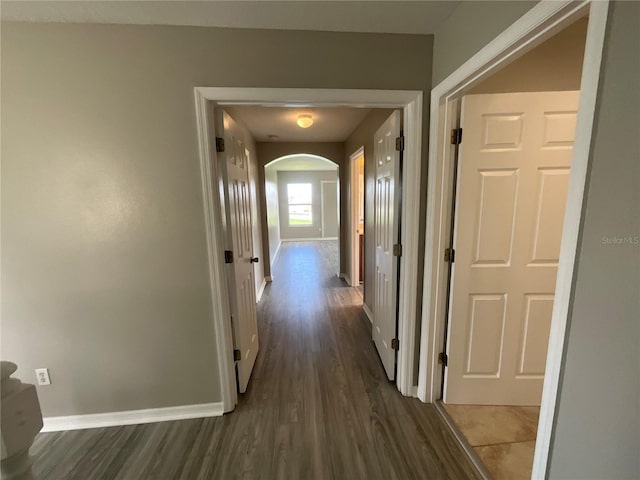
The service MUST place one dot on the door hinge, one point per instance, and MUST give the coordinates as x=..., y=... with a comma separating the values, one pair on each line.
x=456, y=136
x=237, y=356
x=400, y=144
x=395, y=344
x=443, y=358
x=397, y=250
x=449, y=255
x=219, y=144
x=228, y=256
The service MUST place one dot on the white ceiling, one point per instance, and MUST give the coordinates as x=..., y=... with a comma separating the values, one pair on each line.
x=420, y=17
x=302, y=162
x=330, y=124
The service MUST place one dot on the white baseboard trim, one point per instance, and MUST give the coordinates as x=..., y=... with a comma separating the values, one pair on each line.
x=345, y=277
x=261, y=290
x=268, y=278
x=132, y=417
x=275, y=255
x=368, y=311
x=310, y=239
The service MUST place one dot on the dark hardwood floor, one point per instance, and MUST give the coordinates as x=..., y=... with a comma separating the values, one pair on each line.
x=318, y=405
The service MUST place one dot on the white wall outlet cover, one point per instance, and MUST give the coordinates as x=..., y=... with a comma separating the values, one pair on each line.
x=42, y=375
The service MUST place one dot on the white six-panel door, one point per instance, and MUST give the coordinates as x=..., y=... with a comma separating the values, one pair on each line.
x=235, y=171
x=386, y=214
x=513, y=174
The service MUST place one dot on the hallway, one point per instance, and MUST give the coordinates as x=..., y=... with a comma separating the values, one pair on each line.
x=318, y=404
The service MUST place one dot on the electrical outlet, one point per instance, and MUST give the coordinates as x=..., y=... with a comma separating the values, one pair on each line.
x=42, y=375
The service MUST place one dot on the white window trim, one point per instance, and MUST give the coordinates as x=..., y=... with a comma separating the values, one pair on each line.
x=303, y=204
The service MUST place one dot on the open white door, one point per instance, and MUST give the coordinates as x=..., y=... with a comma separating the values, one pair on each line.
x=387, y=216
x=232, y=155
x=513, y=176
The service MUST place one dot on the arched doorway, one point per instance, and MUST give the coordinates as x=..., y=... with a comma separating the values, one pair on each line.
x=302, y=201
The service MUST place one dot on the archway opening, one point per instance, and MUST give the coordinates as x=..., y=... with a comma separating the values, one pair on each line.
x=302, y=199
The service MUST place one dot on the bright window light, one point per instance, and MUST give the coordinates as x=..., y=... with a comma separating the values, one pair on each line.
x=299, y=199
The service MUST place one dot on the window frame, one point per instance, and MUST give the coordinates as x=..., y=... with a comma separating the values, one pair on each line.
x=302, y=204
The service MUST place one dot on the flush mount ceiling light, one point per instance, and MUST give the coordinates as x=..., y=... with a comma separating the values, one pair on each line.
x=304, y=121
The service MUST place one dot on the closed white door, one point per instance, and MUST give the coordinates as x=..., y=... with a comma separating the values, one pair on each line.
x=513, y=175
x=237, y=201
x=330, y=222
x=387, y=216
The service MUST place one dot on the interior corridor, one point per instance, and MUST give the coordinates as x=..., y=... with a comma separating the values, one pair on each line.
x=318, y=403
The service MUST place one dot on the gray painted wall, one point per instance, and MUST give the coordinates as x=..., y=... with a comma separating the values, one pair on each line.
x=598, y=419
x=469, y=28
x=597, y=432
x=554, y=65
x=330, y=208
x=104, y=265
x=315, y=178
x=272, y=216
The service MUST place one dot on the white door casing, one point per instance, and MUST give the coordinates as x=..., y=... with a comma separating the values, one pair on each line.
x=513, y=176
x=238, y=228
x=354, y=200
x=411, y=101
x=387, y=215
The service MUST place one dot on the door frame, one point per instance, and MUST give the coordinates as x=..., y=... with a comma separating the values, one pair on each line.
x=410, y=101
x=543, y=20
x=322, y=182
x=354, y=273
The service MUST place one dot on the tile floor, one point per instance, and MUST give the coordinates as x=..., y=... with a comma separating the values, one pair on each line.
x=502, y=436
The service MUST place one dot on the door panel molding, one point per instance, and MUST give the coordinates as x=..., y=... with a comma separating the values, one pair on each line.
x=386, y=209
x=240, y=273
x=502, y=235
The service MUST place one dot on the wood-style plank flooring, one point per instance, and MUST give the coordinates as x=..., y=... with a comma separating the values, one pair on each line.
x=318, y=404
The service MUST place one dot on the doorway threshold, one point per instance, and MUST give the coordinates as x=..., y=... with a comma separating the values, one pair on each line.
x=462, y=441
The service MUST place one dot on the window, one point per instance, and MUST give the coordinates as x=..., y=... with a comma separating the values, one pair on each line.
x=299, y=200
